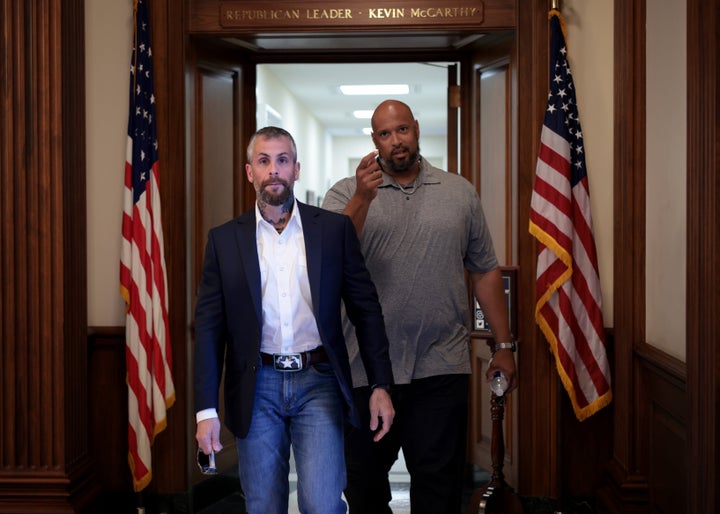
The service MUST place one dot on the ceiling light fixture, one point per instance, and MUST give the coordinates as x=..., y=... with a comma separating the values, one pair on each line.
x=375, y=89
x=363, y=114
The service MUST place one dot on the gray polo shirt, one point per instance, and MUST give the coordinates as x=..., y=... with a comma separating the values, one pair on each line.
x=417, y=242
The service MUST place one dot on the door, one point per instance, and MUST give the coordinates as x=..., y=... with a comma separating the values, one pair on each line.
x=486, y=150
x=217, y=187
x=479, y=147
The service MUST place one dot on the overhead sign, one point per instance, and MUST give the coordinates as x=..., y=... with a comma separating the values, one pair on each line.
x=254, y=14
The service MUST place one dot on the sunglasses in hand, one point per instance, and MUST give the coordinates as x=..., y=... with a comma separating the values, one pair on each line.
x=206, y=462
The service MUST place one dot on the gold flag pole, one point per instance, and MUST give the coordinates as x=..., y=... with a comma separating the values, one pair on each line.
x=555, y=4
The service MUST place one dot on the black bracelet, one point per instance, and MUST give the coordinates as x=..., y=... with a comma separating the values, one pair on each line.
x=387, y=387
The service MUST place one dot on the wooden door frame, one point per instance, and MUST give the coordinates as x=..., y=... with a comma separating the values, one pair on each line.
x=530, y=470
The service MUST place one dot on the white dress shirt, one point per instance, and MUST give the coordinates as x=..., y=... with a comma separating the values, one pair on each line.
x=288, y=324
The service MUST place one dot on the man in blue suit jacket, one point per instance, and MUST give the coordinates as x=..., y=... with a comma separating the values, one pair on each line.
x=269, y=313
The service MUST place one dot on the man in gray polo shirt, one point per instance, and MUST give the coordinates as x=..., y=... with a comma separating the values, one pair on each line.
x=420, y=228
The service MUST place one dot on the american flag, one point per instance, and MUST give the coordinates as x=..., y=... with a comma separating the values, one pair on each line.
x=568, y=308
x=143, y=279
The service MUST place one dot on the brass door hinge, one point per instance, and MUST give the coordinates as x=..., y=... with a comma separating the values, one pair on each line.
x=454, y=97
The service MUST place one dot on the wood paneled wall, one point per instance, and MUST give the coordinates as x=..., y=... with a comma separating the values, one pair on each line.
x=47, y=456
x=45, y=463
x=702, y=421
x=703, y=249
x=666, y=416
x=663, y=429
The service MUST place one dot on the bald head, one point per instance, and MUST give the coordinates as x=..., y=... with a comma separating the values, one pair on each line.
x=393, y=109
x=396, y=134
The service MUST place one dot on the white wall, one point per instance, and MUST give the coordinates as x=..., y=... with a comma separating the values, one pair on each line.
x=590, y=51
x=493, y=165
x=308, y=132
x=590, y=47
x=108, y=48
x=666, y=166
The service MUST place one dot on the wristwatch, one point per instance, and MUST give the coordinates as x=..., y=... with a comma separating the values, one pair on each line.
x=506, y=346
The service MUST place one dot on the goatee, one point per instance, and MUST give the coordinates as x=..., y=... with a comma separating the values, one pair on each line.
x=402, y=166
x=275, y=199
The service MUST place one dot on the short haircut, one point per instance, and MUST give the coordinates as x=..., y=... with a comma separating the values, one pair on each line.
x=271, y=133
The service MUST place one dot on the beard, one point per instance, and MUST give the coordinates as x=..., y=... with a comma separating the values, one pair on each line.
x=266, y=196
x=402, y=165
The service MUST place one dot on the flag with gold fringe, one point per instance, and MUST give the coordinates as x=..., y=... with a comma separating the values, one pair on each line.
x=568, y=297
x=143, y=277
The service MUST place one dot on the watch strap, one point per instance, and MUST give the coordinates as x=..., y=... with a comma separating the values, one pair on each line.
x=506, y=346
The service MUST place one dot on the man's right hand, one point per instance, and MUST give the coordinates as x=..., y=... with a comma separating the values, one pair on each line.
x=368, y=175
x=208, y=435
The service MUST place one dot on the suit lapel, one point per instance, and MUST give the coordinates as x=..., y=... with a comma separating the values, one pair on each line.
x=247, y=246
x=312, y=232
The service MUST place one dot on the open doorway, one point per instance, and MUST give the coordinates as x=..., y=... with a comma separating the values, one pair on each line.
x=304, y=98
x=331, y=129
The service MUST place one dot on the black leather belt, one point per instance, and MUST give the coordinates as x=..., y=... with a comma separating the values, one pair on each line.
x=294, y=361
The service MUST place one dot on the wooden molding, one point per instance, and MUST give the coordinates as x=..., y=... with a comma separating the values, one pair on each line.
x=45, y=462
x=539, y=398
x=703, y=248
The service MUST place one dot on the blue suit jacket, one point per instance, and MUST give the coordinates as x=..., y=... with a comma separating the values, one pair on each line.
x=228, y=313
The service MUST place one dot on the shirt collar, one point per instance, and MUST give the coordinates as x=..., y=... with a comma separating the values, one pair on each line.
x=426, y=175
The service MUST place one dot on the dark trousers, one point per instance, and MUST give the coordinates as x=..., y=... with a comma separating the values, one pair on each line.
x=431, y=428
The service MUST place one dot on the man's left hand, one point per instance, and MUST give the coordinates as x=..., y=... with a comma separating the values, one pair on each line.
x=382, y=413
x=504, y=360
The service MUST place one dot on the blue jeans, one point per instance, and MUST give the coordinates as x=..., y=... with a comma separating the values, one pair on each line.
x=303, y=409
